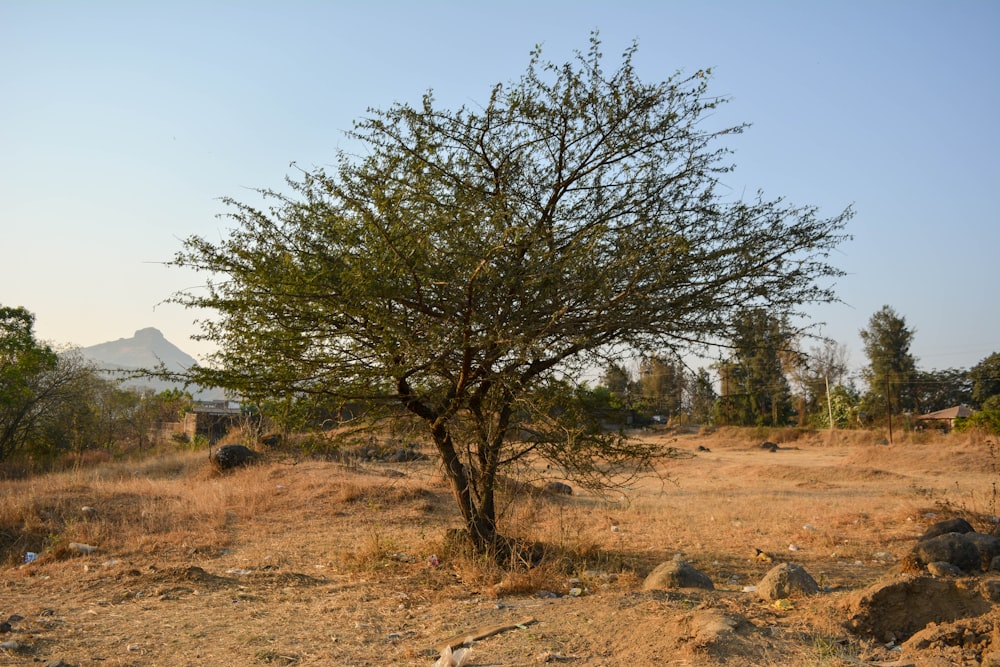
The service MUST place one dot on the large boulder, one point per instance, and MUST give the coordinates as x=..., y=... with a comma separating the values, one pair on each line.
x=676, y=574
x=228, y=457
x=955, y=548
x=786, y=580
x=988, y=545
x=956, y=525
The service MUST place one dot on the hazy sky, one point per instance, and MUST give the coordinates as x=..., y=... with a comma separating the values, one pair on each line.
x=122, y=123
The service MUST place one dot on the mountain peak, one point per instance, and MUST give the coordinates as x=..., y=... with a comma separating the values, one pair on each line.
x=149, y=333
x=147, y=348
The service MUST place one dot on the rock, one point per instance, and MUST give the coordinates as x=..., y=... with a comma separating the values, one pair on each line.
x=559, y=488
x=229, y=457
x=676, y=574
x=957, y=525
x=943, y=569
x=769, y=446
x=991, y=589
x=954, y=548
x=995, y=564
x=786, y=580
x=989, y=547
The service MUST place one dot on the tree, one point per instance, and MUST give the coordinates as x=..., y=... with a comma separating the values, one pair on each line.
x=618, y=381
x=940, y=389
x=23, y=361
x=818, y=372
x=756, y=391
x=985, y=377
x=702, y=396
x=662, y=382
x=891, y=367
x=466, y=264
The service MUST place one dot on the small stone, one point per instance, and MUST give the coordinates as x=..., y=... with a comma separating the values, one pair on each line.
x=786, y=580
x=676, y=574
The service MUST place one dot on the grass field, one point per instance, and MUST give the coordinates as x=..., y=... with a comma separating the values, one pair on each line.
x=319, y=563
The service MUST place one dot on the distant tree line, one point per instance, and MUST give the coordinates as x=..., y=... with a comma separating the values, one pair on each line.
x=767, y=379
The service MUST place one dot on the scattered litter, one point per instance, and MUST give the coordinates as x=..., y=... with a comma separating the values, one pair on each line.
x=749, y=589
x=237, y=571
x=10, y=646
x=793, y=547
x=433, y=561
x=808, y=526
x=30, y=557
x=82, y=548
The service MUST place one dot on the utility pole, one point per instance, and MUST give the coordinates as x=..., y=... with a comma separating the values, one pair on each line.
x=829, y=400
x=888, y=405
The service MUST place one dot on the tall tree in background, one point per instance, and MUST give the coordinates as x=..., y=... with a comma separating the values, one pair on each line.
x=473, y=259
x=702, y=397
x=756, y=390
x=662, y=382
x=891, y=369
x=618, y=380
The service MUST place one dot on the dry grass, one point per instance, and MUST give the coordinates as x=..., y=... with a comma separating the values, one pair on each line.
x=320, y=563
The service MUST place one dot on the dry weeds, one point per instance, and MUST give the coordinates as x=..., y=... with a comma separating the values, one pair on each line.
x=317, y=563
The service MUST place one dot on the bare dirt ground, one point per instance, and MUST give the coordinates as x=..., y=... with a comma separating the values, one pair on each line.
x=318, y=563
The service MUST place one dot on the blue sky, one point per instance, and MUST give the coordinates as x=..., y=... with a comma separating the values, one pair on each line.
x=122, y=123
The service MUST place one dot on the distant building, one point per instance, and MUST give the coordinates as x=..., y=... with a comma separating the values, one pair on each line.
x=944, y=419
x=212, y=419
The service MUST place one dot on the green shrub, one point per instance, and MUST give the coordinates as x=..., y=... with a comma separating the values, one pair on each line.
x=987, y=421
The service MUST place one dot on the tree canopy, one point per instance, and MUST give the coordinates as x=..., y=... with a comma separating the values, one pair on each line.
x=469, y=260
x=891, y=370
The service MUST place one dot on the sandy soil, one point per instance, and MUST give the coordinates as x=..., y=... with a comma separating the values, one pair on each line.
x=315, y=563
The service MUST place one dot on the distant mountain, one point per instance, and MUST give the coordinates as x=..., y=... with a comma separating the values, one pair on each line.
x=148, y=348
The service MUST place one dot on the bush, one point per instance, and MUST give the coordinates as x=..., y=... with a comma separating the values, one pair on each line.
x=987, y=421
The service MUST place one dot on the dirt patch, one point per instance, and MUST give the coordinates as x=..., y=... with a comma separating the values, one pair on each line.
x=896, y=609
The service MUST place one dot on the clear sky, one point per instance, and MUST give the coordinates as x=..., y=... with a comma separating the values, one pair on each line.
x=122, y=123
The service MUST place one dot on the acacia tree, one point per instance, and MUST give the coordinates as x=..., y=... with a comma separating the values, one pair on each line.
x=470, y=260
